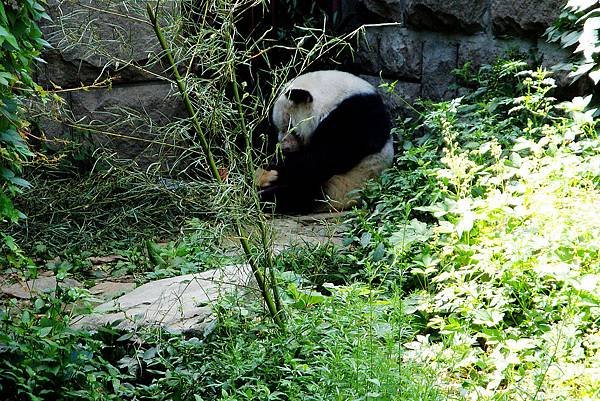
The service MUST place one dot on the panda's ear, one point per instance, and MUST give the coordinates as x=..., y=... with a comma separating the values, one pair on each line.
x=299, y=96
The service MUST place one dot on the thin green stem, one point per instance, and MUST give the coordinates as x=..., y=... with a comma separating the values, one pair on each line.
x=181, y=85
x=274, y=310
x=261, y=224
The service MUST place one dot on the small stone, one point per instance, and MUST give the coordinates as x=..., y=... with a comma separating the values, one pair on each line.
x=38, y=285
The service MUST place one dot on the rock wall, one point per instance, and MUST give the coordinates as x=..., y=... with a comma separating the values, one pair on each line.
x=414, y=42
x=419, y=42
x=101, y=64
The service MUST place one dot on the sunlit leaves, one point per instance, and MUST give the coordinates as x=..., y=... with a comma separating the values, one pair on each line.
x=579, y=24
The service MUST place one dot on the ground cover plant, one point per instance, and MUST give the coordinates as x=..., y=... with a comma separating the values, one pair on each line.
x=497, y=239
x=480, y=284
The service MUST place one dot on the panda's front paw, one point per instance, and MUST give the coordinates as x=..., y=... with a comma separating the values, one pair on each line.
x=264, y=178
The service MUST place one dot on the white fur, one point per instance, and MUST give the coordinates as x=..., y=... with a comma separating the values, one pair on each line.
x=328, y=89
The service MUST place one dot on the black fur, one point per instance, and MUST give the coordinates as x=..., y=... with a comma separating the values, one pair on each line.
x=299, y=96
x=359, y=126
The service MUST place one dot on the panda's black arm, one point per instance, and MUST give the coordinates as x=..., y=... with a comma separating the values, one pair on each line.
x=318, y=163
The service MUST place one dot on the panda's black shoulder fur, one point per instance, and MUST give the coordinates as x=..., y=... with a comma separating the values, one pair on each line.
x=357, y=127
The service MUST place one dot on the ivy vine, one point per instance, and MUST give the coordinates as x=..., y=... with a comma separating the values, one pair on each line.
x=20, y=45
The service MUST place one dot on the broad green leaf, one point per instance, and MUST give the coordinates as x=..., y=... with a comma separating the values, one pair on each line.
x=581, y=5
x=39, y=303
x=581, y=70
x=414, y=231
x=7, y=36
x=20, y=182
x=3, y=19
x=568, y=39
x=44, y=331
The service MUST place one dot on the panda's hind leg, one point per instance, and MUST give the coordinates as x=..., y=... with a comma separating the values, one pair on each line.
x=341, y=191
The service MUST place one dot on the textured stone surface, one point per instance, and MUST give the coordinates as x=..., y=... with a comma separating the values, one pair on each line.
x=524, y=17
x=551, y=55
x=110, y=289
x=94, y=39
x=464, y=16
x=38, y=285
x=439, y=59
x=312, y=229
x=388, y=10
x=399, y=98
x=391, y=50
x=481, y=49
x=179, y=304
x=149, y=105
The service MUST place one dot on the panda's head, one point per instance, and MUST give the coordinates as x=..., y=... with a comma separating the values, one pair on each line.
x=306, y=100
x=294, y=118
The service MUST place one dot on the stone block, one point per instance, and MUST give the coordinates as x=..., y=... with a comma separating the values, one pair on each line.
x=439, y=59
x=180, y=304
x=391, y=50
x=482, y=49
x=388, y=10
x=528, y=18
x=43, y=284
x=461, y=16
x=133, y=114
x=93, y=40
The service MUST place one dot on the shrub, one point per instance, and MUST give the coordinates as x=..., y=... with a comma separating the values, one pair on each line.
x=20, y=44
x=578, y=29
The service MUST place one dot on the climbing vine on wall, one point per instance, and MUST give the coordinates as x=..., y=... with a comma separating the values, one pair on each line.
x=20, y=44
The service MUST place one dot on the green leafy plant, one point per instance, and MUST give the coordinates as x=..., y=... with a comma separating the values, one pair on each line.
x=43, y=358
x=578, y=29
x=20, y=44
x=498, y=255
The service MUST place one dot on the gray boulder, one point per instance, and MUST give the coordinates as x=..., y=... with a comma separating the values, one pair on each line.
x=180, y=304
x=93, y=40
x=524, y=17
x=391, y=50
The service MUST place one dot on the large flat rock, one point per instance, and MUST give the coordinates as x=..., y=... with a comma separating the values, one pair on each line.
x=181, y=304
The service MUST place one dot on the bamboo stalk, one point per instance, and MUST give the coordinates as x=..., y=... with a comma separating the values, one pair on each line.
x=262, y=228
x=274, y=307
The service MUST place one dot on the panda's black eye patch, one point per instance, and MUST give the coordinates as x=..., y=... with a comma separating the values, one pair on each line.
x=299, y=96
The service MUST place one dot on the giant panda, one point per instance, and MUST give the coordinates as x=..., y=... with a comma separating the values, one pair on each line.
x=334, y=134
